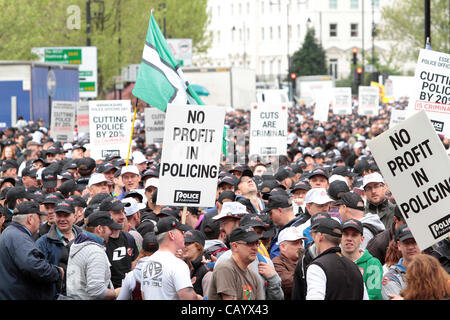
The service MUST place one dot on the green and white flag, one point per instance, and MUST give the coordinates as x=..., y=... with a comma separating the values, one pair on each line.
x=160, y=79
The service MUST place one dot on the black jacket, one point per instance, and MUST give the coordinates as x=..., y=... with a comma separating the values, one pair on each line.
x=299, y=288
x=378, y=245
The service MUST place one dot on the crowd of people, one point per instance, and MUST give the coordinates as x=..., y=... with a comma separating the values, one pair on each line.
x=318, y=223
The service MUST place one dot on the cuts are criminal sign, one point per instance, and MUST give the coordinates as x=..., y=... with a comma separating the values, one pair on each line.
x=62, y=120
x=416, y=168
x=432, y=89
x=154, y=125
x=110, y=128
x=268, y=129
x=190, y=155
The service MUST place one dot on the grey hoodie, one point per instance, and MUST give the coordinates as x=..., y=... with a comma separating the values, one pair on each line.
x=88, y=269
x=373, y=220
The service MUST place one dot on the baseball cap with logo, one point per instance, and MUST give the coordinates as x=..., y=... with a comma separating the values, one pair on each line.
x=318, y=196
x=351, y=200
x=113, y=204
x=27, y=208
x=192, y=236
x=353, y=223
x=244, y=233
x=302, y=185
x=372, y=177
x=65, y=206
x=102, y=218
x=170, y=223
x=318, y=172
x=133, y=206
x=403, y=233
x=232, y=209
x=290, y=234
x=317, y=217
x=278, y=201
x=253, y=220
x=329, y=226
x=49, y=179
x=96, y=178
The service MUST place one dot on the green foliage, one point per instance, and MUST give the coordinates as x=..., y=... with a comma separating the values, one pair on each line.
x=310, y=59
x=26, y=24
x=403, y=23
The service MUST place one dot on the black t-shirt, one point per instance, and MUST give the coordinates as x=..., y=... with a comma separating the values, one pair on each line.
x=121, y=253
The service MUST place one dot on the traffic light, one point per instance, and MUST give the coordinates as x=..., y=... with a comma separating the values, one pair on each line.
x=355, y=58
x=359, y=72
x=293, y=76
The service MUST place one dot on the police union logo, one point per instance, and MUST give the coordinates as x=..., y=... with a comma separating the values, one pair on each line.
x=440, y=227
x=186, y=196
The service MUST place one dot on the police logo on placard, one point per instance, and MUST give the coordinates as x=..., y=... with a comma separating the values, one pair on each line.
x=440, y=227
x=187, y=196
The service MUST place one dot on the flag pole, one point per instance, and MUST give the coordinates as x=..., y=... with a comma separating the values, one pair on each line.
x=132, y=130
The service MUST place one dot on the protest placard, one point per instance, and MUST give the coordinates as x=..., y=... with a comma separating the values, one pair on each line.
x=342, y=100
x=416, y=168
x=110, y=128
x=268, y=129
x=397, y=116
x=154, y=125
x=323, y=100
x=190, y=157
x=62, y=120
x=83, y=118
x=432, y=89
x=368, y=100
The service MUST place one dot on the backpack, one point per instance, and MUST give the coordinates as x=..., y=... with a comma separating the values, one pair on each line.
x=372, y=229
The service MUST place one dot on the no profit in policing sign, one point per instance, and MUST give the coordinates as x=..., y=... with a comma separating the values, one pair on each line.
x=416, y=168
x=268, y=129
x=110, y=128
x=190, y=155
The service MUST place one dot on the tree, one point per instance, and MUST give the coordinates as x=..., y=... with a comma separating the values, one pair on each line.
x=28, y=23
x=310, y=59
x=403, y=23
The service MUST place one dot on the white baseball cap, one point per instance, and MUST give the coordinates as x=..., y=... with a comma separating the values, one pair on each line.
x=372, y=177
x=130, y=169
x=231, y=209
x=96, y=178
x=134, y=206
x=138, y=157
x=151, y=182
x=290, y=234
x=318, y=196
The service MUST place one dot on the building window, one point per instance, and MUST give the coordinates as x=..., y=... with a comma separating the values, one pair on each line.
x=332, y=4
x=353, y=29
x=262, y=6
x=218, y=36
x=290, y=32
x=279, y=32
x=375, y=3
x=263, y=67
x=354, y=4
x=232, y=9
x=218, y=11
x=270, y=33
x=262, y=33
x=240, y=8
x=333, y=29
x=248, y=8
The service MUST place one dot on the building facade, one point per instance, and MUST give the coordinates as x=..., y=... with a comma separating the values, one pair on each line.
x=263, y=34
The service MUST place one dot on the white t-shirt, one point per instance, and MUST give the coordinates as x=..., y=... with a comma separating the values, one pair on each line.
x=163, y=275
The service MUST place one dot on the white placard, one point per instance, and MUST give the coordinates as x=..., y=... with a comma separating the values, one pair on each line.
x=154, y=125
x=368, y=100
x=83, y=118
x=397, y=116
x=323, y=99
x=110, y=128
x=432, y=89
x=190, y=157
x=342, y=100
x=416, y=168
x=268, y=129
x=62, y=120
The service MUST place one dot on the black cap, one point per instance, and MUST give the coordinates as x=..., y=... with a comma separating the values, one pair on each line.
x=49, y=178
x=149, y=242
x=315, y=219
x=361, y=166
x=403, y=233
x=77, y=201
x=319, y=172
x=113, y=204
x=337, y=188
x=226, y=195
x=278, y=201
x=29, y=172
x=27, y=208
x=170, y=212
x=102, y=218
x=53, y=198
x=17, y=193
x=8, y=179
x=253, y=220
x=328, y=225
x=191, y=236
x=86, y=163
x=353, y=223
x=246, y=234
x=7, y=164
x=229, y=179
x=343, y=171
x=284, y=173
x=67, y=187
x=65, y=206
x=169, y=223
x=351, y=200
x=302, y=185
x=90, y=209
x=244, y=169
